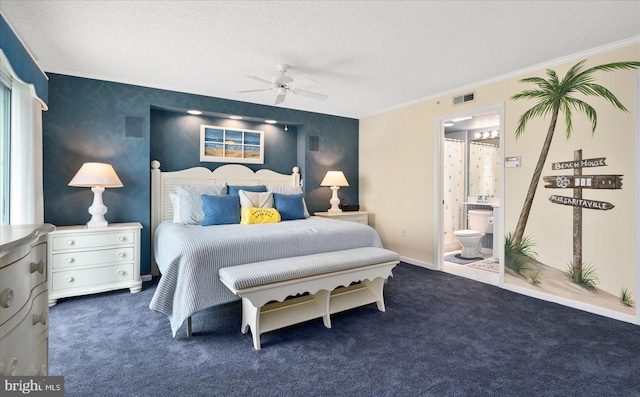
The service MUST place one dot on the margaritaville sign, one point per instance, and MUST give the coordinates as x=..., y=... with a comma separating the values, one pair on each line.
x=577, y=182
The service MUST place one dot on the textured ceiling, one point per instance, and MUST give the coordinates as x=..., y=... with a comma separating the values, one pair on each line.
x=367, y=56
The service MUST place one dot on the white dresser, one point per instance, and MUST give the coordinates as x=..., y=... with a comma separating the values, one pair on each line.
x=90, y=260
x=351, y=216
x=24, y=313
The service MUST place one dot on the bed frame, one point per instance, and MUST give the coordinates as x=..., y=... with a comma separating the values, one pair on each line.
x=164, y=183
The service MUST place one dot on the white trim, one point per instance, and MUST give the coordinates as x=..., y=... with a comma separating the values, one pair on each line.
x=24, y=45
x=438, y=179
x=570, y=303
x=146, y=277
x=637, y=108
x=532, y=69
x=416, y=262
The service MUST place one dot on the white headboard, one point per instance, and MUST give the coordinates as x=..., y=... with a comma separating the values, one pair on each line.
x=163, y=183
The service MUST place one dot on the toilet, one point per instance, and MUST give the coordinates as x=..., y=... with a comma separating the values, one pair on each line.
x=471, y=239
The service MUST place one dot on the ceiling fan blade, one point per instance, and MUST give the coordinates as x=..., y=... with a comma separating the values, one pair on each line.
x=301, y=83
x=260, y=80
x=263, y=89
x=311, y=94
x=280, y=98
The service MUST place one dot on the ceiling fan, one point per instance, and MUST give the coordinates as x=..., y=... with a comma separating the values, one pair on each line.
x=283, y=84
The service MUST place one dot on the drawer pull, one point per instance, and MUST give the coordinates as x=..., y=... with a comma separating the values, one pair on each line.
x=69, y=242
x=122, y=238
x=121, y=272
x=40, y=318
x=6, y=298
x=121, y=254
x=37, y=267
x=69, y=259
x=69, y=279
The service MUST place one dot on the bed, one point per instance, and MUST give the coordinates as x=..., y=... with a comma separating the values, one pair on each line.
x=188, y=256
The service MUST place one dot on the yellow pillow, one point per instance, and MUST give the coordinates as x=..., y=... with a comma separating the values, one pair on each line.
x=259, y=215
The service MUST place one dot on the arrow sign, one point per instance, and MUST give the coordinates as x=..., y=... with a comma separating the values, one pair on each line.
x=582, y=203
x=583, y=182
x=565, y=165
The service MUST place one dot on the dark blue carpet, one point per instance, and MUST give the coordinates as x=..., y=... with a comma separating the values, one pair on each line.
x=442, y=335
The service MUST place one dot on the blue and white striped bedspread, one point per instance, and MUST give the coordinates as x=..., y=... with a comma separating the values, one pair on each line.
x=189, y=256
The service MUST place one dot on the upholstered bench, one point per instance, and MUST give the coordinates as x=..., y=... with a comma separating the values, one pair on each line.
x=331, y=282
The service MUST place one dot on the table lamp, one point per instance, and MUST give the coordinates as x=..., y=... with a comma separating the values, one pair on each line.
x=97, y=176
x=334, y=179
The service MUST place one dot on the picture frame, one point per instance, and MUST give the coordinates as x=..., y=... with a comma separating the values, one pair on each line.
x=231, y=145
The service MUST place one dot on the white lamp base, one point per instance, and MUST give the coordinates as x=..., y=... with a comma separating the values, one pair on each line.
x=97, y=209
x=335, y=201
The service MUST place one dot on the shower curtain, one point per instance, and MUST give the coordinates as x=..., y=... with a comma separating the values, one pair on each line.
x=454, y=186
x=484, y=171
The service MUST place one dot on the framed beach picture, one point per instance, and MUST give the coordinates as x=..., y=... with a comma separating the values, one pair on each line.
x=231, y=145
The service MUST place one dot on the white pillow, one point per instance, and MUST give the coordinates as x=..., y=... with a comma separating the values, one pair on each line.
x=287, y=189
x=175, y=204
x=255, y=199
x=191, y=203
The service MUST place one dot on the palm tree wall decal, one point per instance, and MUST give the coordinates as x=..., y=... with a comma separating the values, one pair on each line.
x=555, y=96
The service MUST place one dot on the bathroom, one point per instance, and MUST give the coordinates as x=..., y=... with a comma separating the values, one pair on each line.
x=471, y=192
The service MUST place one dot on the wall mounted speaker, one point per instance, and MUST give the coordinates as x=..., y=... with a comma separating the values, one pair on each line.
x=134, y=127
x=314, y=143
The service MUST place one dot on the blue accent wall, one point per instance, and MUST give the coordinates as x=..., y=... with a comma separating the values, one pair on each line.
x=176, y=141
x=86, y=122
x=21, y=62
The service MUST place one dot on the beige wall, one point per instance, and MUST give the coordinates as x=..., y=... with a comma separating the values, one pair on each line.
x=397, y=173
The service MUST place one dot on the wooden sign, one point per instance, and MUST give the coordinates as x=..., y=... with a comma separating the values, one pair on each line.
x=584, y=182
x=580, y=202
x=564, y=165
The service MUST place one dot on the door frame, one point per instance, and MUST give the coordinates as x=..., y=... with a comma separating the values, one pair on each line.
x=439, y=181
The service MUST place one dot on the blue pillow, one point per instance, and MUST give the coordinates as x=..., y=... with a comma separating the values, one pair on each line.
x=290, y=206
x=220, y=210
x=253, y=188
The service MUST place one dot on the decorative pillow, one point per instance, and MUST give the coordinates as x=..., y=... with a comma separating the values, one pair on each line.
x=254, y=188
x=175, y=204
x=289, y=206
x=220, y=210
x=255, y=199
x=285, y=189
x=252, y=216
x=191, y=203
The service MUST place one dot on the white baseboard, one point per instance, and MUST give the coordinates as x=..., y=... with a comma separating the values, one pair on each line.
x=572, y=303
x=416, y=262
x=145, y=277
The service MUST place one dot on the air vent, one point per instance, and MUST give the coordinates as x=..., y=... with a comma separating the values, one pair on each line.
x=457, y=100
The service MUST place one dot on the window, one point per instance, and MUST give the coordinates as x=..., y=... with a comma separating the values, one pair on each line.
x=5, y=144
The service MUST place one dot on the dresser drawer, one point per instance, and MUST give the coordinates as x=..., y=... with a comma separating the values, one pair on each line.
x=88, y=240
x=93, y=276
x=19, y=278
x=98, y=257
x=16, y=354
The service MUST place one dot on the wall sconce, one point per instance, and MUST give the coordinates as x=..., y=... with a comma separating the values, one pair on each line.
x=334, y=179
x=97, y=176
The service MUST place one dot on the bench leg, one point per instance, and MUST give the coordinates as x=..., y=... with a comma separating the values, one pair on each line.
x=376, y=287
x=251, y=319
x=323, y=297
x=189, y=329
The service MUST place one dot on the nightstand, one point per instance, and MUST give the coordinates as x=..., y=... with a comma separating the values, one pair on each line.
x=89, y=260
x=351, y=216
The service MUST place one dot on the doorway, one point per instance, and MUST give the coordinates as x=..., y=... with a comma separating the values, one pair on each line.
x=469, y=184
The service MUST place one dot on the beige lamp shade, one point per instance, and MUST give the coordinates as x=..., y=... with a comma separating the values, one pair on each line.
x=334, y=178
x=96, y=174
